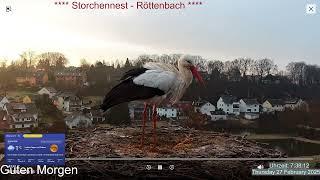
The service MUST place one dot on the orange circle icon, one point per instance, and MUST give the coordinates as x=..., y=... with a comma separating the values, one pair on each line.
x=54, y=148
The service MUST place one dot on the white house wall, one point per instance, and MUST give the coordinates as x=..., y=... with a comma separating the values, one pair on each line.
x=207, y=109
x=167, y=112
x=228, y=108
x=3, y=101
x=248, y=108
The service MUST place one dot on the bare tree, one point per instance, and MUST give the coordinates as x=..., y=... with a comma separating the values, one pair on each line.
x=244, y=65
x=3, y=64
x=215, y=66
x=165, y=58
x=303, y=74
x=56, y=59
x=175, y=57
x=84, y=65
x=231, y=69
x=142, y=59
x=28, y=59
x=264, y=67
x=296, y=72
x=200, y=62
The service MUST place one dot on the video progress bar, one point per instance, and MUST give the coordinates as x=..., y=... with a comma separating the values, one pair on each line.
x=189, y=159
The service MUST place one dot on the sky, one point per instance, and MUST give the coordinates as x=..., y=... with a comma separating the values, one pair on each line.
x=217, y=30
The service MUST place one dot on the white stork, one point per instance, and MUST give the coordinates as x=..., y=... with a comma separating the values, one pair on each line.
x=154, y=83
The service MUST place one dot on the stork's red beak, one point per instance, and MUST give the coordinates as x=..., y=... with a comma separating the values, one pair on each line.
x=196, y=74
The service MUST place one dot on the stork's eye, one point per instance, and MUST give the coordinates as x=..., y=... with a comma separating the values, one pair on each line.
x=188, y=61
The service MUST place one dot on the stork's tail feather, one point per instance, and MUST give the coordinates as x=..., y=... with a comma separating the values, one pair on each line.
x=111, y=99
x=108, y=104
x=105, y=107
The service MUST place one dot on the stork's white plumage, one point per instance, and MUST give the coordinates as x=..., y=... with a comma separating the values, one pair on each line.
x=154, y=83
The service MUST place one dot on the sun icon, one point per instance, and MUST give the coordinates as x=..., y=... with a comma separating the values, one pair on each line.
x=54, y=148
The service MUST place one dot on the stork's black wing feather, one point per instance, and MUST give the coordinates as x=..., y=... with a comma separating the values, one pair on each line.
x=127, y=91
x=133, y=73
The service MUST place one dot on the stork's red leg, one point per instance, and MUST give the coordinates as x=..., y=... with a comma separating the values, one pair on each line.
x=143, y=123
x=154, y=118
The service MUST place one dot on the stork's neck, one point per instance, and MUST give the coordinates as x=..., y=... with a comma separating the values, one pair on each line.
x=185, y=73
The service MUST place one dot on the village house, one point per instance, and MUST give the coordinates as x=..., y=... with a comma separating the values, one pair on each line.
x=4, y=120
x=136, y=110
x=78, y=120
x=67, y=102
x=50, y=91
x=168, y=112
x=70, y=78
x=42, y=77
x=37, y=78
x=295, y=103
x=229, y=104
x=249, y=106
x=22, y=115
x=58, y=100
x=96, y=116
x=218, y=115
x=26, y=81
x=179, y=110
x=3, y=100
x=26, y=100
x=204, y=107
x=272, y=105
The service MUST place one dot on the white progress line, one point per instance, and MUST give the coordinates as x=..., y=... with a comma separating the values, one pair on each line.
x=189, y=159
